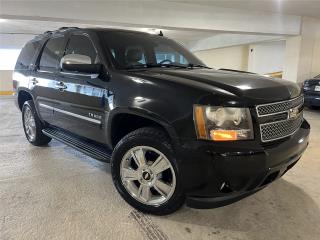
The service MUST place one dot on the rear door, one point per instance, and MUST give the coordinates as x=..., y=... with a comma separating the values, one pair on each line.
x=83, y=99
x=45, y=86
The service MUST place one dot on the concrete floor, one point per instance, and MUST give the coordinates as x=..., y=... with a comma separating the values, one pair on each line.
x=56, y=192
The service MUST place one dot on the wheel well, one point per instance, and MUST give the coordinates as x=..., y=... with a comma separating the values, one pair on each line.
x=122, y=124
x=22, y=97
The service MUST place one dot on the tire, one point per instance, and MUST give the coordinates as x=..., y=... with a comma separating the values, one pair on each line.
x=153, y=142
x=37, y=138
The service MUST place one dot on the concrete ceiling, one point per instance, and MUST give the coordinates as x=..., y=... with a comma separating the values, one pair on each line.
x=210, y=23
x=308, y=8
x=31, y=27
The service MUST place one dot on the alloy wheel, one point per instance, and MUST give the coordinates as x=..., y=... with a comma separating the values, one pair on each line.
x=147, y=175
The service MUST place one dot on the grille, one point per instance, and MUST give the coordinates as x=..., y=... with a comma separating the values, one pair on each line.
x=272, y=108
x=277, y=130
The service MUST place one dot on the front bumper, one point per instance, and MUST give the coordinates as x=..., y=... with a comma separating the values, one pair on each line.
x=217, y=174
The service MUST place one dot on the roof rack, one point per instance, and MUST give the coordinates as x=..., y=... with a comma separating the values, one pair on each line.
x=60, y=29
x=65, y=28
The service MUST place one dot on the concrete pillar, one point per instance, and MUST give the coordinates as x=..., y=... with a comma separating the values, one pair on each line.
x=302, y=55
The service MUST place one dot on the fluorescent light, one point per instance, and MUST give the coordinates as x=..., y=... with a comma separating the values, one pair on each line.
x=2, y=20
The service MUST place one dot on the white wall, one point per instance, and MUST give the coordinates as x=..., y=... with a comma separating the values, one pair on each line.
x=231, y=57
x=266, y=57
x=10, y=46
x=302, y=58
x=5, y=81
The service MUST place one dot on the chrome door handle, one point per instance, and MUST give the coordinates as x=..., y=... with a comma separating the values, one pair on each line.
x=34, y=81
x=61, y=86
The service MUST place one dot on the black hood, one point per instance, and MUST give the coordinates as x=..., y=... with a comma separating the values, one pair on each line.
x=250, y=86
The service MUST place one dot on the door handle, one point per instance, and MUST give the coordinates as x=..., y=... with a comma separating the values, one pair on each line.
x=34, y=81
x=61, y=86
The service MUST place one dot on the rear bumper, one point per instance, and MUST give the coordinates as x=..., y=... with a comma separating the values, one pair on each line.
x=219, y=174
x=310, y=100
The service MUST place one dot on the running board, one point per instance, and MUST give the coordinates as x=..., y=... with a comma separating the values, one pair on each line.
x=98, y=152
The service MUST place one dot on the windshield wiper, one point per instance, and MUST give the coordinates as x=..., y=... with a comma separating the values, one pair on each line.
x=191, y=65
x=151, y=65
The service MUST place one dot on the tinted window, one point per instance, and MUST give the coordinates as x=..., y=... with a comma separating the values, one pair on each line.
x=165, y=53
x=52, y=54
x=80, y=44
x=131, y=50
x=27, y=54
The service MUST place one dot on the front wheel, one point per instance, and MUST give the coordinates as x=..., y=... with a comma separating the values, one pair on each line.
x=145, y=172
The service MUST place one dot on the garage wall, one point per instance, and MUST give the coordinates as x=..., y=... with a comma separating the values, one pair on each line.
x=230, y=57
x=5, y=82
x=10, y=46
x=266, y=57
x=302, y=59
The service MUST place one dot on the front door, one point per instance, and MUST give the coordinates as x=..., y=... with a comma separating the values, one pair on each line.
x=82, y=99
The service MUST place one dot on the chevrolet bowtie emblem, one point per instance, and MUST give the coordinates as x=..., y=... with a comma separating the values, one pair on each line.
x=293, y=113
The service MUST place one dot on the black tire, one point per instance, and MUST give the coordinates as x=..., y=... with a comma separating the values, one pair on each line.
x=40, y=139
x=158, y=140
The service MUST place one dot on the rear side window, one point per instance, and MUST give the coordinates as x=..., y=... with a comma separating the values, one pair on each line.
x=80, y=44
x=26, y=55
x=51, y=54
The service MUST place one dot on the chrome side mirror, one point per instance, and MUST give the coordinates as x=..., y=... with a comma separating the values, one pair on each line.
x=79, y=63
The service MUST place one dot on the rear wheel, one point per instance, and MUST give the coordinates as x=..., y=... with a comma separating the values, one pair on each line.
x=32, y=125
x=145, y=172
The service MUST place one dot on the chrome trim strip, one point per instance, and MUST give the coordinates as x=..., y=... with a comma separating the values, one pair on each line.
x=71, y=114
x=46, y=106
x=268, y=104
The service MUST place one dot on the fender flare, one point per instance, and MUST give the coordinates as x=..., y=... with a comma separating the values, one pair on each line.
x=140, y=113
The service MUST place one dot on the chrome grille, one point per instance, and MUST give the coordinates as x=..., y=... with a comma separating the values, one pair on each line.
x=275, y=130
x=272, y=108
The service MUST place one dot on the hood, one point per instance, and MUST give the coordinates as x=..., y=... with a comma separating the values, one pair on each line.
x=243, y=85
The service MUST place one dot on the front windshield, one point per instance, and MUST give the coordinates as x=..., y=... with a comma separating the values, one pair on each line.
x=131, y=50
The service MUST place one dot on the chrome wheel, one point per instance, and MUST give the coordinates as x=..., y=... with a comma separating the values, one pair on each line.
x=147, y=175
x=29, y=124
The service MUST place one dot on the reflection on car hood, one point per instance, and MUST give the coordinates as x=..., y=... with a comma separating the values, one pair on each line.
x=250, y=86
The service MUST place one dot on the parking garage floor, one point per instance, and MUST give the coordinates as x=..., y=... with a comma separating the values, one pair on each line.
x=55, y=192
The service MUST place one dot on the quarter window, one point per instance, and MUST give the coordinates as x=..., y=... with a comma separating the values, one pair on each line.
x=52, y=54
x=27, y=54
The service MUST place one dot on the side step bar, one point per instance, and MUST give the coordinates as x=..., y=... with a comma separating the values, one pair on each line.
x=88, y=148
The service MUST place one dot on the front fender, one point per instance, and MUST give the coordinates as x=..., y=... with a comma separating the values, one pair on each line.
x=140, y=112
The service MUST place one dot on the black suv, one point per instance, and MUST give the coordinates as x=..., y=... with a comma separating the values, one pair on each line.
x=173, y=129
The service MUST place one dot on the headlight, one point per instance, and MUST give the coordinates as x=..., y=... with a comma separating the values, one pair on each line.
x=223, y=123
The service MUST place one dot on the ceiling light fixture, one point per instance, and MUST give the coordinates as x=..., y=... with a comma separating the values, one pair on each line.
x=2, y=20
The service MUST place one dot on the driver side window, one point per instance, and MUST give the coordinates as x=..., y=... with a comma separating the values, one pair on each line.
x=80, y=44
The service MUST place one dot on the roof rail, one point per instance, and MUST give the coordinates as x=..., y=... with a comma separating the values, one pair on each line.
x=65, y=28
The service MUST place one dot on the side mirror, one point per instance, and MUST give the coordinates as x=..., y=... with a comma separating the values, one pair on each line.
x=79, y=63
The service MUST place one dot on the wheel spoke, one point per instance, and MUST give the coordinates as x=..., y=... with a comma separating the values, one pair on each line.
x=139, y=157
x=144, y=192
x=163, y=188
x=160, y=165
x=130, y=174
